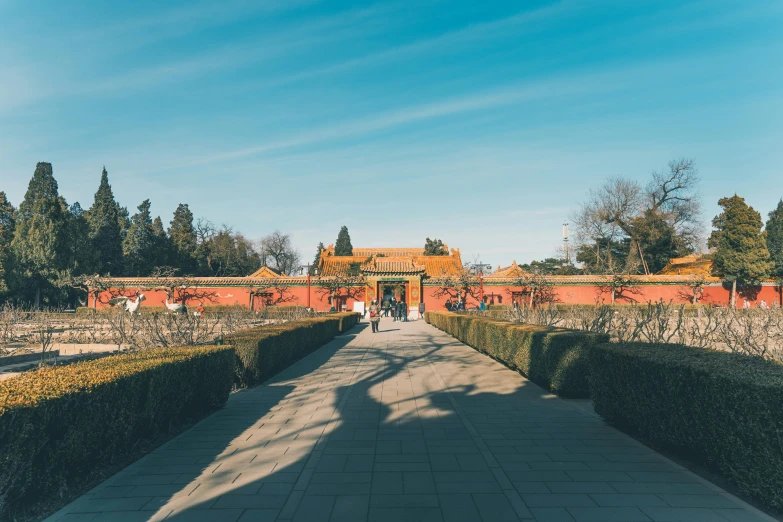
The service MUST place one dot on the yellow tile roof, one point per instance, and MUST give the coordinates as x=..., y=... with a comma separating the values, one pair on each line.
x=266, y=272
x=391, y=261
x=694, y=264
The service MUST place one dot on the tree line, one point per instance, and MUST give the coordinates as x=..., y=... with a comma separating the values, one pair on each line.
x=47, y=247
x=626, y=228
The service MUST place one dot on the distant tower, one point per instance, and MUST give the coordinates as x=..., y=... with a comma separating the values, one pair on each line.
x=565, y=242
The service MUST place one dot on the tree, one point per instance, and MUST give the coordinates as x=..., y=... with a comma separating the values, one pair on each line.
x=549, y=266
x=317, y=260
x=435, y=247
x=40, y=236
x=346, y=284
x=229, y=254
x=534, y=282
x=458, y=285
x=741, y=253
x=774, y=231
x=105, y=218
x=140, y=243
x=184, y=240
x=343, y=245
x=162, y=245
x=81, y=258
x=659, y=221
x=278, y=253
x=7, y=226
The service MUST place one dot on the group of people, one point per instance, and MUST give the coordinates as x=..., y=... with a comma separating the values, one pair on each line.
x=397, y=309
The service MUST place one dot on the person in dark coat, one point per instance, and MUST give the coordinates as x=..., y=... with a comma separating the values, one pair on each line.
x=421, y=310
x=403, y=311
x=448, y=305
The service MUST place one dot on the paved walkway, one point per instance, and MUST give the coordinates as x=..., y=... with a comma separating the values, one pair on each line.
x=404, y=425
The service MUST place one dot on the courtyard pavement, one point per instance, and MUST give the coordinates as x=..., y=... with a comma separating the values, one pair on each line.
x=404, y=425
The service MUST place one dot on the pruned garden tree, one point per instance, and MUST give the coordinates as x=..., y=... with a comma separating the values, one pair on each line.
x=535, y=283
x=278, y=252
x=105, y=218
x=180, y=289
x=343, y=284
x=457, y=286
x=741, y=253
x=618, y=286
x=648, y=224
x=343, y=246
x=435, y=247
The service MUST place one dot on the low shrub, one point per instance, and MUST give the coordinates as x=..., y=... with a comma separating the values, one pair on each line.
x=724, y=410
x=264, y=351
x=551, y=357
x=62, y=427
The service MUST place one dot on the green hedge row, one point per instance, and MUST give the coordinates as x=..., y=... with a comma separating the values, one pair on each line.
x=552, y=357
x=722, y=409
x=61, y=427
x=264, y=351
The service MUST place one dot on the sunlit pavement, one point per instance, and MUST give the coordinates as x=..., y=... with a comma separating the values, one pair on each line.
x=404, y=425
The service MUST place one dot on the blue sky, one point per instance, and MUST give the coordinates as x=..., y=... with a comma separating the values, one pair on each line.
x=481, y=123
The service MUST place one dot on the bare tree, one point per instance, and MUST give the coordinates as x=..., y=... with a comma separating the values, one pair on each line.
x=537, y=286
x=622, y=208
x=457, y=285
x=180, y=289
x=346, y=284
x=278, y=252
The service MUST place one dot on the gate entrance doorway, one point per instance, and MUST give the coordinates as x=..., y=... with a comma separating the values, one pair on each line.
x=397, y=290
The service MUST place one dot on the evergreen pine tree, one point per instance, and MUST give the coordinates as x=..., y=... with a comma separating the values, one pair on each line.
x=140, y=242
x=741, y=253
x=774, y=230
x=80, y=255
x=162, y=245
x=343, y=245
x=40, y=246
x=317, y=259
x=183, y=240
x=7, y=225
x=105, y=220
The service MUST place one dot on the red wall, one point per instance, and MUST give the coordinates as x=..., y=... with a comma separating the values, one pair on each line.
x=297, y=295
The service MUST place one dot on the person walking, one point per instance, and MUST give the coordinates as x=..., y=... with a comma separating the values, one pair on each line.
x=403, y=311
x=421, y=310
x=375, y=316
x=386, y=308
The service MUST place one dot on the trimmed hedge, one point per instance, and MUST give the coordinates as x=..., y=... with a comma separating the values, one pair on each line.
x=555, y=358
x=722, y=409
x=265, y=351
x=62, y=427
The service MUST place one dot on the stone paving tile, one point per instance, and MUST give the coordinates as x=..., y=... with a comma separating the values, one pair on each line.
x=404, y=425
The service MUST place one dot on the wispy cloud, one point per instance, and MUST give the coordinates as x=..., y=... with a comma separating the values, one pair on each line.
x=531, y=19
x=176, y=22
